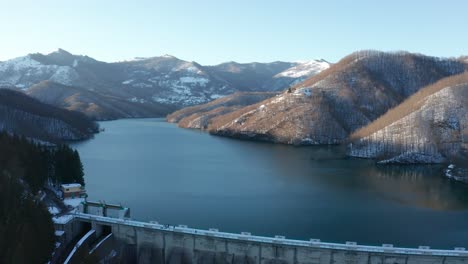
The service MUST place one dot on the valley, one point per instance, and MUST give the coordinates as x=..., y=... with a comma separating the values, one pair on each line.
x=142, y=87
x=177, y=176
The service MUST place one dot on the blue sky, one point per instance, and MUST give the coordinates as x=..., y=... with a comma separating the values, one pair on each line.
x=214, y=31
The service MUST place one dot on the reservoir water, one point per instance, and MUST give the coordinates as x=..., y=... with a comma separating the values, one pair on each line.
x=179, y=176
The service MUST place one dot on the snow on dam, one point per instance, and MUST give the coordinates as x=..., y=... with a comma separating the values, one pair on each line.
x=141, y=242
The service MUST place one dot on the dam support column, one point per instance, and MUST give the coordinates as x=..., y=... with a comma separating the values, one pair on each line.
x=97, y=227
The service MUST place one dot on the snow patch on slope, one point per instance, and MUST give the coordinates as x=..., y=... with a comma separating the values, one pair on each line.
x=305, y=69
x=64, y=75
x=24, y=71
x=194, y=80
x=19, y=63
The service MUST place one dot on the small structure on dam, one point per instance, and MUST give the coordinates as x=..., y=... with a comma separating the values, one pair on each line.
x=118, y=239
x=104, y=209
x=72, y=190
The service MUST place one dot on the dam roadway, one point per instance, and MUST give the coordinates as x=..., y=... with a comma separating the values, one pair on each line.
x=141, y=242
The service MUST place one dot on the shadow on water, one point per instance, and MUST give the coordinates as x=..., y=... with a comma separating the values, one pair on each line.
x=417, y=185
x=179, y=176
x=412, y=185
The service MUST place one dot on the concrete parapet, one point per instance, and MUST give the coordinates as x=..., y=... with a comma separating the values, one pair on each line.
x=155, y=243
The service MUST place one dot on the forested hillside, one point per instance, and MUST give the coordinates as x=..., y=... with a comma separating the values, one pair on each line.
x=200, y=116
x=26, y=229
x=328, y=107
x=429, y=127
x=94, y=105
x=26, y=116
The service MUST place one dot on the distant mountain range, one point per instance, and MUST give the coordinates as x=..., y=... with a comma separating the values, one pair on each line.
x=25, y=116
x=144, y=87
x=330, y=106
x=93, y=104
x=304, y=103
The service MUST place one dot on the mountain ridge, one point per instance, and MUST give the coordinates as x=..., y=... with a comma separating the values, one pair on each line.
x=162, y=81
x=328, y=107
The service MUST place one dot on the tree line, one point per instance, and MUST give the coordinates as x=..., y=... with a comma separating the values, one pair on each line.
x=26, y=228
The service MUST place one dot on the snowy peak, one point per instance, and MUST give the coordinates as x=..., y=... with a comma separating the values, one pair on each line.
x=164, y=81
x=61, y=58
x=148, y=59
x=19, y=63
x=58, y=66
x=305, y=69
x=169, y=56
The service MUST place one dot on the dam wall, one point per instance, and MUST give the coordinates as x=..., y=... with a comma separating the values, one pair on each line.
x=141, y=242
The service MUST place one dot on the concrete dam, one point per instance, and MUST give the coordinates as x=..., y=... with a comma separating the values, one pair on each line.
x=113, y=240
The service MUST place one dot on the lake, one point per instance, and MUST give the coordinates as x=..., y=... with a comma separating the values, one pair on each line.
x=180, y=176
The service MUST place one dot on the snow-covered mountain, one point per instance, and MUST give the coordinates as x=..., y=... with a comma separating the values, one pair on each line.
x=25, y=71
x=305, y=69
x=152, y=83
x=59, y=66
x=328, y=107
x=171, y=81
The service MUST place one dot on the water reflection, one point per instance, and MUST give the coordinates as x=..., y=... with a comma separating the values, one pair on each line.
x=417, y=185
x=412, y=185
x=179, y=176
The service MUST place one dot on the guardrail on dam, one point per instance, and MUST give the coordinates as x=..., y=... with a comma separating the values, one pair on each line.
x=141, y=242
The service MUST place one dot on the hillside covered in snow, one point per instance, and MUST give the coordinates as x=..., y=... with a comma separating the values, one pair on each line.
x=429, y=127
x=23, y=115
x=328, y=107
x=143, y=87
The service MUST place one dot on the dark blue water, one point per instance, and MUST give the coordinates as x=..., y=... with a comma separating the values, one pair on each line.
x=179, y=176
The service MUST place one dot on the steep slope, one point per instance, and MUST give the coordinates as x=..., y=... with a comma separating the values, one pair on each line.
x=22, y=115
x=429, y=127
x=200, y=116
x=94, y=105
x=327, y=107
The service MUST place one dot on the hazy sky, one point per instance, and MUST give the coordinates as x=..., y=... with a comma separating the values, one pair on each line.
x=215, y=31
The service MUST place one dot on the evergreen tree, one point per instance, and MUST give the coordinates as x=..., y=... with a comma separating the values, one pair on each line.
x=67, y=166
x=26, y=228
